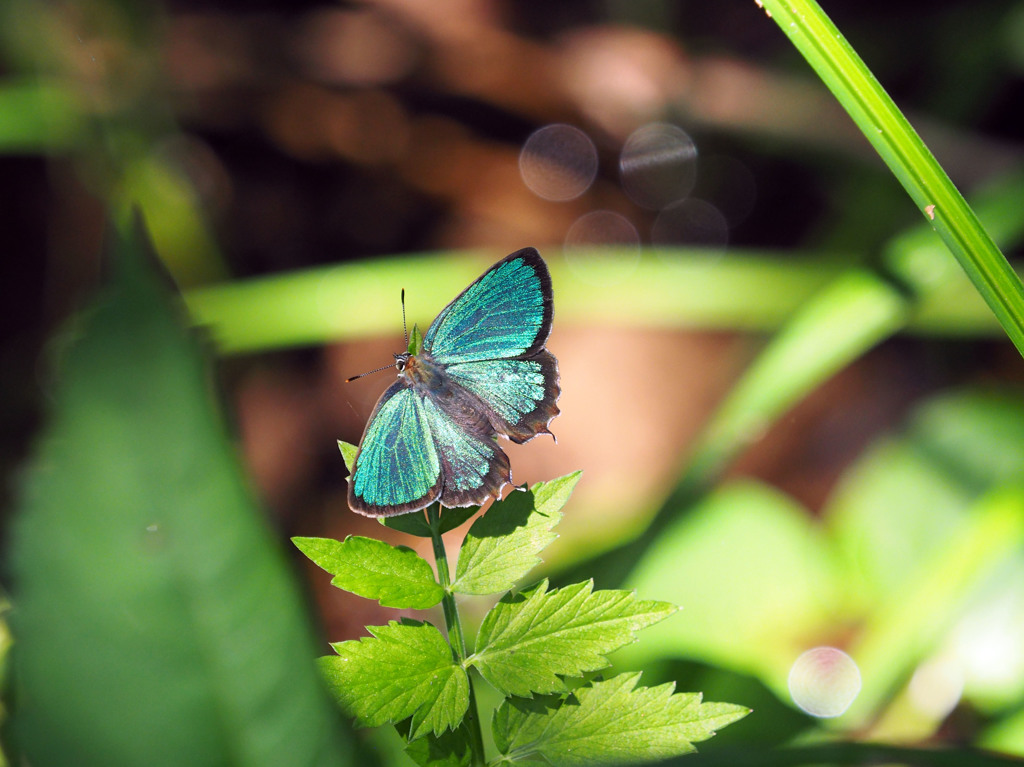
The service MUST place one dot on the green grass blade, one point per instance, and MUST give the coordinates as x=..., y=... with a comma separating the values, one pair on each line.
x=669, y=288
x=842, y=322
x=889, y=132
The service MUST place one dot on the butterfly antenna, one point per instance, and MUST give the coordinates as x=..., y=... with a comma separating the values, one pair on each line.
x=405, y=329
x=369, y=372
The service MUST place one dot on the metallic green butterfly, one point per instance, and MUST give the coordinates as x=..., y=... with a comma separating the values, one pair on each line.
x=481, y=370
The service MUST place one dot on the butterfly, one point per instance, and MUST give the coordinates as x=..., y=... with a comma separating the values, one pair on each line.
x=481, y=370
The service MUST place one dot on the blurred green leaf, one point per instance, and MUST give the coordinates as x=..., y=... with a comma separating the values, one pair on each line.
x=908, y=495
x=752, y=575
x=890, y=510
x=855, y=754
x=154, y=183
x=395, y=576
x=986, y=643
x=528, y=640
x=38, y=117
x=156, y=621
x=1006, y=735
x=911, y=622
x=670, y=287
x=935, y=561
x=838, y=325
x=975, y=436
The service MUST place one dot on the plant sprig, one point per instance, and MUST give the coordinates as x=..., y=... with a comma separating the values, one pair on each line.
x=538, y=647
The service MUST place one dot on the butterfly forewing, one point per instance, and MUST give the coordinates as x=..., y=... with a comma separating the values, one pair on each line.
x=397, y=468
x=505, y=313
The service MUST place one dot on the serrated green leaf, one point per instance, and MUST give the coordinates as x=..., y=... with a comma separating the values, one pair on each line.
x=552, y=495
x=502, y=546
x=348, y=454
x=450, y=749
x=156, y=621
x=517, y=720
x=405, y=669
x=528, y=640
x=395, y=576
x=610, y=722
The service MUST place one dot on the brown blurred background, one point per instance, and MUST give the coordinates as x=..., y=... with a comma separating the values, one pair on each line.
x=311, y=133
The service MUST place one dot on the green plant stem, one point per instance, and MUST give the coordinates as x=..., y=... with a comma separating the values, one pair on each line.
x=896, y=142
x=455, y=634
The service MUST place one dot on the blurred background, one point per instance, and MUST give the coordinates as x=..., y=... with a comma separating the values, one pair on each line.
x=718, y=232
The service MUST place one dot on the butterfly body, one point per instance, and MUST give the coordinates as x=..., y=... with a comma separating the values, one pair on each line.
x=430, y=379
x=480, y=371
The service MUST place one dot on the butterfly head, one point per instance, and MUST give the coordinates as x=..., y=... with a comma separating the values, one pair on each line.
x=407, y=359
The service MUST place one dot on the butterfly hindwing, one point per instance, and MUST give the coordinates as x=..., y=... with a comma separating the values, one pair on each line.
x=397, y=468
x=506, y=313
x=519, y=393
x=473, y=467
x=414, y=453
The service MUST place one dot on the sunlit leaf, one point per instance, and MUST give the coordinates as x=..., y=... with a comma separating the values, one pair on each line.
x=395, y=576
x=503, y=545
x=405, y=669
x=610, y=722
x=528, y=640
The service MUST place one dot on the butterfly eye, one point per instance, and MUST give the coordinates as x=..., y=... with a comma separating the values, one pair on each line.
x=401, y=360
